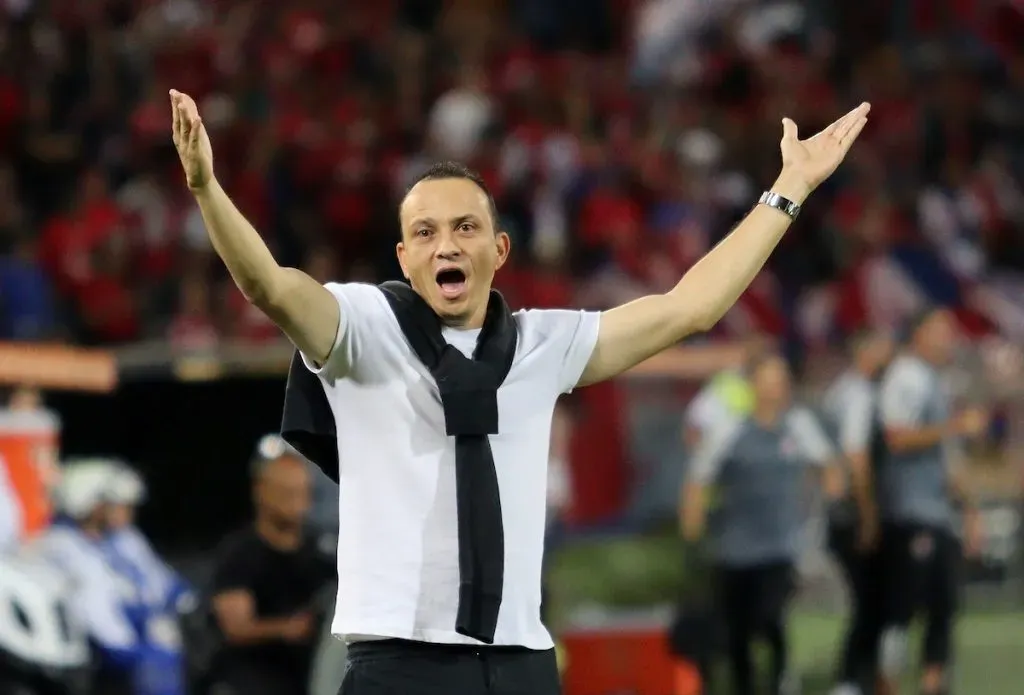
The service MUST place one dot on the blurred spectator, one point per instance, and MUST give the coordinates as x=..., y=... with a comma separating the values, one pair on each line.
x=27, y=309
x=724, y=397
x=193, y=327
x=621, y=140
x=266, y=585
x=160, y=592
x=160, y=586
x=104, y=599
x=459, y=118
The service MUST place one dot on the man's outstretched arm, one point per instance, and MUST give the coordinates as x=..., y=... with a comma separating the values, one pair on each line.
x=633, y=332
x=298, y=304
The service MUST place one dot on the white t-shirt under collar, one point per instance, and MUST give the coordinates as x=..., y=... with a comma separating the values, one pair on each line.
x=398, y=560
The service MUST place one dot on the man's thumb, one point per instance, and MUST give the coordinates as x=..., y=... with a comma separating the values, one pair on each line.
x=789, y=131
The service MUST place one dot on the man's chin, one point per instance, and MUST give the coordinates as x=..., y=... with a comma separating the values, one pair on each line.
x=451, y=316
x=452, y=312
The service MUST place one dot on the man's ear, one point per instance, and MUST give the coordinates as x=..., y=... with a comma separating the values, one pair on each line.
x=400, y=253
x=503, y=243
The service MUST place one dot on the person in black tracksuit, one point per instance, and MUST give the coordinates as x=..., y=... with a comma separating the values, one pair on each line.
x=851, y=411
x=920, y=482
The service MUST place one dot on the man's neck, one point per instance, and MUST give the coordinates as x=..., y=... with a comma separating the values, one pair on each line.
x=766, y=416
x=473, y=322
x=865, y=369
x=92, y=531
x=277, y=536
x=919, y=354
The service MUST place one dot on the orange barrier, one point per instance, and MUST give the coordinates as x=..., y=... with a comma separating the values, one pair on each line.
x=29, y=446
x=688, y=679
x=621, y=660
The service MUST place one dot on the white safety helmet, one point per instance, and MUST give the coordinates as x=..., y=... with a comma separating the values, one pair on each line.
x=37, y=627
x=127, y=486
x=270, y=447
x=84, y=485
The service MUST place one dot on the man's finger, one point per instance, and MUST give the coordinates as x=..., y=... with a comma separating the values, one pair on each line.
x=789, y=130
x=190, y=107
x=185, y=122
x=841, y=124
x=197, y=126
x=175, y=121
x=851, y=135
x=850, y=120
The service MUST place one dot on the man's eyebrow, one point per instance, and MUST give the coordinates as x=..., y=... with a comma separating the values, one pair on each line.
x=462, y=219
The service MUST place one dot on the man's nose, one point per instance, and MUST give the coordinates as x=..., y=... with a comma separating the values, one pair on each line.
x=447, y=247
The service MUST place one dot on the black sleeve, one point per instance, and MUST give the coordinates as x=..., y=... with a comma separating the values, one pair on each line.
x=236, y=565
x=322, y=566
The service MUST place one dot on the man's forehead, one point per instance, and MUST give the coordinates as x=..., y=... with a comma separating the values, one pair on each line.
x=940, y=317
x=285, y=468
x=443, y=199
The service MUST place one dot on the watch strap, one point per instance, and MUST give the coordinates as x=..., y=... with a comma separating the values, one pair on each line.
x=785, y=205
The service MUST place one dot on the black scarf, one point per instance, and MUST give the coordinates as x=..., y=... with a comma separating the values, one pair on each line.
x=469, y=396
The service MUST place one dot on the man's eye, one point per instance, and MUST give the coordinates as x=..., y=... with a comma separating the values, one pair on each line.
x=423, y=232
x=466, y=227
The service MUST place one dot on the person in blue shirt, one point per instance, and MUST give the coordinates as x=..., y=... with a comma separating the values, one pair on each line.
x=104, y=601
x=161, y=593
x=132, y=626
x=161, y=587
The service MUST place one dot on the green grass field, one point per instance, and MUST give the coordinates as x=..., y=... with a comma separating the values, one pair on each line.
x=635, y=572
x=989, y=653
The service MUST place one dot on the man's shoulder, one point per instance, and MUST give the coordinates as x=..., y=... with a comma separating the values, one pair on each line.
x=727, y=429
x=240, y=543
x=906, y=370
x=540, y=325
x=802, y=420
x=852, y=387
x=362, y=297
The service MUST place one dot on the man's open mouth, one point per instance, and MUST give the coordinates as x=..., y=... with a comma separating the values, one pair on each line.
x=452, y=282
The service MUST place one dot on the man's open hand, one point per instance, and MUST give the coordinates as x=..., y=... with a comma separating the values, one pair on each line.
x=191, y=140
x=806, y=163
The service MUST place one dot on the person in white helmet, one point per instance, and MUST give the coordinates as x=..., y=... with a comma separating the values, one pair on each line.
x=161, y=586
x=160, y=592
x=104, y=601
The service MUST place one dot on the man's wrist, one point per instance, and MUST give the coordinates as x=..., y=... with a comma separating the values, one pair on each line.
x=204, y=189
x=792, y=187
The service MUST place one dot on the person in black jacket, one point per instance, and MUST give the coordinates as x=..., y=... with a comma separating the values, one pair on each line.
x=267, y=583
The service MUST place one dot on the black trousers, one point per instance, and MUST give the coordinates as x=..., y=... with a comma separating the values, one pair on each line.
x=753, y=601
x=859, y=657
x=254, y=680
x=400, y=667
x=920, y=568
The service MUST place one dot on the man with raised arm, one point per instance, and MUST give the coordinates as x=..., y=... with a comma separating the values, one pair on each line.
x=434, y=402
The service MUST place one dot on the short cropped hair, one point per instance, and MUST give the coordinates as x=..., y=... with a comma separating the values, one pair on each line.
x=456, y=170
x=754, y=364
x=863, y=337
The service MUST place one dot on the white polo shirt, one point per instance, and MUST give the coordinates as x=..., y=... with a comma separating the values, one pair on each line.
x=398, y=549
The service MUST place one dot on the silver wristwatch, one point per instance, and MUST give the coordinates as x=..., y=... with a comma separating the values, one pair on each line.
x=774, y=200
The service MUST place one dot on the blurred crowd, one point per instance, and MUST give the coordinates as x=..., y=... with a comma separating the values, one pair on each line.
x=622, y=139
